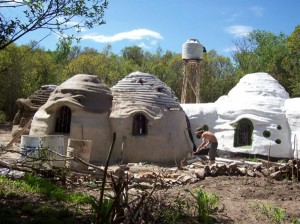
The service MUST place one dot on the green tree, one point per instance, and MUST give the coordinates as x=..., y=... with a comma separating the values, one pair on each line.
x=106, y=65
x=216, y=76
x=173, y=72
x=39, y=68
x=263, y=51
x=26, y=16
x=292, y=61
x=23, y=70
x=134, y=55
x=10, y=79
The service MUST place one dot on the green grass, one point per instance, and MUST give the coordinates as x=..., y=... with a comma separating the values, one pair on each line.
x=33, y=199
x=34, y=184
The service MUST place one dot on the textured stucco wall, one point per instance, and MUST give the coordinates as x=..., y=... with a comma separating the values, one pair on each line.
x=166, y=141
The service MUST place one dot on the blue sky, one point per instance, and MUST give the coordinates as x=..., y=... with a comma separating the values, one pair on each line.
x=169, y=23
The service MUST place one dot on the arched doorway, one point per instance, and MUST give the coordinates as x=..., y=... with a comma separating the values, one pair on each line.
x=139, y=125
x=63, y=120
x=243, y=133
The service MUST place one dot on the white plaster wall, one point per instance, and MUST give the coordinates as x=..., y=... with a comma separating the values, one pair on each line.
x=259, y=98
x=260, y=144
x=292, y=107
x=199, y=115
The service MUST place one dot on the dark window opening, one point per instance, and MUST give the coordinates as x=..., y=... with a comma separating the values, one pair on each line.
x=63, y=120
x=139, y=126
x=243, y=133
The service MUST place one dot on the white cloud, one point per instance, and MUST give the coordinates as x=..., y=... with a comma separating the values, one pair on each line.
x=239, y=31
x=257, y=10
x=137, y=34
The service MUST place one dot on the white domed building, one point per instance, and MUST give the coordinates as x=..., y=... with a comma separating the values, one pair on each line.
x=257, y=116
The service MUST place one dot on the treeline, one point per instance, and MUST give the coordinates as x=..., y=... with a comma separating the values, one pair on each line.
x=24, y=69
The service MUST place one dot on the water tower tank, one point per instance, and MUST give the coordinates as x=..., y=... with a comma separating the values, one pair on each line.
x=192, y=50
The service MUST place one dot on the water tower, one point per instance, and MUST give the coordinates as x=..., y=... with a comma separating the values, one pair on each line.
x=192, y=54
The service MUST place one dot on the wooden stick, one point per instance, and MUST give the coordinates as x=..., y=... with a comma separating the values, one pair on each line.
x=269, y=155
x=18, y=135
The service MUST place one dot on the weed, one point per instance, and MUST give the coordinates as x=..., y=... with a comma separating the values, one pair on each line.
x=173, y=213
x=296, y=220
x=275, y=214
x=253, y=159
x=206, y=204
x=104, y=211
x=34, y=184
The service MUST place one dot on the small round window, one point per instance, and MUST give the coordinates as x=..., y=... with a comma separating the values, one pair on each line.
x=279, y=127
x=267, y=133
x=278, y=141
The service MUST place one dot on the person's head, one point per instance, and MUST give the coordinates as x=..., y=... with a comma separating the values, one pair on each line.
x=199, y=132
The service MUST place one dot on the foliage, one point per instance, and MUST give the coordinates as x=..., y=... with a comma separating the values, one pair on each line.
x=296, y=220
x=275, y=214
x=292, y=61
x=278, y=55
x=34, y=184
x=206, y=204
x=216, y=76
x=33, y=199
x=104, y=211
x=3, y=117
x=59, y=17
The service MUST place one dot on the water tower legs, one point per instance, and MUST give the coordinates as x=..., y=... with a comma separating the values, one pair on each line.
x=184, y=84
x=194, y=67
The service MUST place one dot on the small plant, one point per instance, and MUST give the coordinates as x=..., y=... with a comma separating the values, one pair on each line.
x=3, y=116
x=104, y=211
x=279, y=214
x=253, y=159
x=275, y=214
x=173, y=213
x=296, y=220
x=206, y=204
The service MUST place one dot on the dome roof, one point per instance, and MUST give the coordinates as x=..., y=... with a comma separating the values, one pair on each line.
x=142, y=91
x=255, y=93
x=258, y=84
x=86, y=91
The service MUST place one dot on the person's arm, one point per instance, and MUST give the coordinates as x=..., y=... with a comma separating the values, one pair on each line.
x=204, y=143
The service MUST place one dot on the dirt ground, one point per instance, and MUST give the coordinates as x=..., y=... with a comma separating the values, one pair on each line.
x=241, y=198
